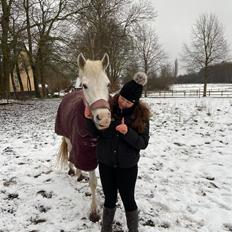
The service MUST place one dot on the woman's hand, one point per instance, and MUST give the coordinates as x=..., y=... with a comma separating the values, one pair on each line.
x=122, y=128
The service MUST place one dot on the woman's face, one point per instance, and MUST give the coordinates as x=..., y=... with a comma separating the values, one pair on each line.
x=123, y=103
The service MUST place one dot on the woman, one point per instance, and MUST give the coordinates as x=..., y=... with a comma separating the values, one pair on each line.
x=118, y=150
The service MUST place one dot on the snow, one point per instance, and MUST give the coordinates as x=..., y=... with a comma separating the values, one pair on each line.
x=184, y=182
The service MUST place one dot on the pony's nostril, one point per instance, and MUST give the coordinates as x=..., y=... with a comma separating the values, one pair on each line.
x=98, y=117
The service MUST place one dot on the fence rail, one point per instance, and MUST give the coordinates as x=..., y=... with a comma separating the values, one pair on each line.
x=190, y=93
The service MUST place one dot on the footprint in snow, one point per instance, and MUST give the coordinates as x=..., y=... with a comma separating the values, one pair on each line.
x=157, y=166
x=117, y=227
x=227, y=226
x=9, y=210
x=165, y=225
x=45, y=194
x=42, y=208
x=9, y=182
x=37, y=220
x=149, y=222
x=9, y=151
x=12, y=196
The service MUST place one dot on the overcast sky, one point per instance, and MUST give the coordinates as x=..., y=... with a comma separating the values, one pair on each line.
x=175, y=19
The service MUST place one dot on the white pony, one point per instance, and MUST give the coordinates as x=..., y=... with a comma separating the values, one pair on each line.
x=94, y=94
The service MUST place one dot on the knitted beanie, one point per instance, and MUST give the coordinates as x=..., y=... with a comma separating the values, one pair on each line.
x=132, y=90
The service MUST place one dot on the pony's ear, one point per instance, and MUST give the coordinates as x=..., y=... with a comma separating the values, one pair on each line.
x=81, y=61
x=105, y=61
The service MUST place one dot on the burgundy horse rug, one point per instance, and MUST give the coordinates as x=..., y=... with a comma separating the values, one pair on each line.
x=70, y=123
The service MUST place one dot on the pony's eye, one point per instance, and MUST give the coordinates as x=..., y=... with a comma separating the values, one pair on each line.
x=85, y=86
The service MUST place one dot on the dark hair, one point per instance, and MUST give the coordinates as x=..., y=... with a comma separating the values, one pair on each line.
x=140, y=115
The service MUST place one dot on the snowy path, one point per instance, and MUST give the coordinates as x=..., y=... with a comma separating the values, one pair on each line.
x=185, y=174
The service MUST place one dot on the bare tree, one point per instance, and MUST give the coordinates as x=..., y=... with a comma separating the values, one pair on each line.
x=27, y=7
x=208, y=46
x=106, y=26
x=43, y=21
x=149, y=52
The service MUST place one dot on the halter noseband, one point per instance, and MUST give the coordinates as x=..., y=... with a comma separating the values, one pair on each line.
x=101, y=103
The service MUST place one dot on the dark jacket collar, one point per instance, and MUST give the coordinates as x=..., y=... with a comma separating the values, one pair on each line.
x=121, y=113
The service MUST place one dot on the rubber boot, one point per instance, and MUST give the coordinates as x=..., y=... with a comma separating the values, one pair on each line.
x=107, y=219
x=132, y=219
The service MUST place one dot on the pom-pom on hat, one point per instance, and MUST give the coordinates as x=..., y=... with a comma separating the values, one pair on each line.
x=133, y=89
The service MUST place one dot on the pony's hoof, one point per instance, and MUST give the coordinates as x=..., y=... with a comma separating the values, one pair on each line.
x=82, y=177
x=71, y=172
x=94, y=217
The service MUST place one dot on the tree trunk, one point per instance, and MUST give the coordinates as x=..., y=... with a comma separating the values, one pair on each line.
x=36, y=84
x=5, y=84
x=5, y=21
x=1, y=76
x=145, y=70
x=13, y=84
x=28, y=77
x=205, y=81
x=19, y=76
x=40, y=67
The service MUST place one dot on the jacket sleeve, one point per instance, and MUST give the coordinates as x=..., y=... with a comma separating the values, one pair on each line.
x=137, y=140
x=91, y=127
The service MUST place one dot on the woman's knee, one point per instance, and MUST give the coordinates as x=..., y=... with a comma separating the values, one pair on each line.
x=130, y=206
x=110, y=201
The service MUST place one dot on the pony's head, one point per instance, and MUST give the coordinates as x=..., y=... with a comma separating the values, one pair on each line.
x=95, y=85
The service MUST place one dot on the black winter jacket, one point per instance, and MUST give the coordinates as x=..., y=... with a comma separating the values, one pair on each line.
x=115, y=149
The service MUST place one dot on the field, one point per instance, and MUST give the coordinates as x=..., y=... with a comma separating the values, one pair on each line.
x=184, y=182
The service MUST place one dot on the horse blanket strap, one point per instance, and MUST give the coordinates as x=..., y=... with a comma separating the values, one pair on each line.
x=101, y=103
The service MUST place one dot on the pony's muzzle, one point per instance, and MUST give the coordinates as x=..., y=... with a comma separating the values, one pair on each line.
x=101, y=113
x=102, y=118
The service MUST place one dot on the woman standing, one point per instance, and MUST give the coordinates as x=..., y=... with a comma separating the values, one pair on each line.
x=118, y=149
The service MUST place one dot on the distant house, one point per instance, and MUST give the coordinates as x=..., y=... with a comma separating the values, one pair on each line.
x=27, y=81
x=26, y=76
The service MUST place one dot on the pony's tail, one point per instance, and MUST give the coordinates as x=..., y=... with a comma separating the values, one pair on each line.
x=62, y=158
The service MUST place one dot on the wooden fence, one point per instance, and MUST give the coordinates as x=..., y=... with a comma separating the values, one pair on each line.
x=190, y=93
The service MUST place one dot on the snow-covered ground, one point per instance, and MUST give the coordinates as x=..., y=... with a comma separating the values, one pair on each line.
x=185, y=174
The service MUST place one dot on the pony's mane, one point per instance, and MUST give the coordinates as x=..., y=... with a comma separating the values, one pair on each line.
x=92, y=68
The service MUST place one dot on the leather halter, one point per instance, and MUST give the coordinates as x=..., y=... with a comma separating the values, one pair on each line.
x=101, y=103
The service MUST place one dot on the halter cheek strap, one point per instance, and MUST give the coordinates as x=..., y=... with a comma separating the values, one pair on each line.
x=101, y=103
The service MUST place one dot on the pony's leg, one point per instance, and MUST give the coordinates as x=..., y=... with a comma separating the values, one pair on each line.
x=94, y=215
x=71, y=171
x=79, y=174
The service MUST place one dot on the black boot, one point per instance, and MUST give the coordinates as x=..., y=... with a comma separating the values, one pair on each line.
x=107, y=219
x=132, y=219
